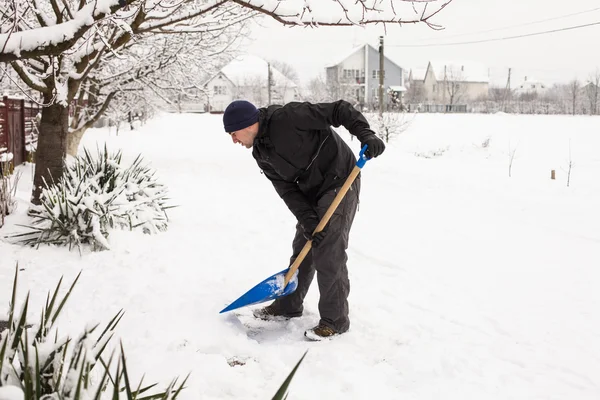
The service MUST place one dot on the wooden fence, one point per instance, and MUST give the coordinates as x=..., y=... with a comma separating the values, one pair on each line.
x=18, y=128
x=438, y=108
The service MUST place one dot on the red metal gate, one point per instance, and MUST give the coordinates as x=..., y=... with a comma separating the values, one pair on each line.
x=16, y=141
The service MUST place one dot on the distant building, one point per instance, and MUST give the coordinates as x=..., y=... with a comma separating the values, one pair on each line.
x=354, y=77
x=246, y=78
x=530, y=86
x=448, y=83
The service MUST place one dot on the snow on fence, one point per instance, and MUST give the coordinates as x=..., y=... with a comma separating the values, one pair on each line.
x=18, y=128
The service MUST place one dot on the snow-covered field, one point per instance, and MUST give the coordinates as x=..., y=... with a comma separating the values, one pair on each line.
x=466, y=284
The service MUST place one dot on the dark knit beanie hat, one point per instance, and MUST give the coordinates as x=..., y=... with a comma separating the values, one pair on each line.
x=238, y=115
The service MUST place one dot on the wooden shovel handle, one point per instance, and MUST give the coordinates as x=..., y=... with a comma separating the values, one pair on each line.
x=334, y=204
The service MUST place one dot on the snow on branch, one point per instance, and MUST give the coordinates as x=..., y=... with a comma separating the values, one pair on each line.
x=348, y=12
x=164, y=16
x=56, y=39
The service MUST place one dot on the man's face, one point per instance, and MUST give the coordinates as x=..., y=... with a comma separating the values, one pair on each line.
x=245, y=136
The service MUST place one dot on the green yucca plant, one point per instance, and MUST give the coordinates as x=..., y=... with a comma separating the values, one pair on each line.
x=94, y=195
x=8, y=190
x=47, y=367
x=282, y=393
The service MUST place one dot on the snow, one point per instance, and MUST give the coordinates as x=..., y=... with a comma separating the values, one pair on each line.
x=11, y=393
x=466, y=284
x=6, y=157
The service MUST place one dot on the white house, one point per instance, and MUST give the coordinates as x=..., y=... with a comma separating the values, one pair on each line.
x=354, y=77
x=246, y=78
x=530, y=86
x=449, y=82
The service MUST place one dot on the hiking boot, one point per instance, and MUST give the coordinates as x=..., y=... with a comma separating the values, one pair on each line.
x=320, y=332
x=270, y=312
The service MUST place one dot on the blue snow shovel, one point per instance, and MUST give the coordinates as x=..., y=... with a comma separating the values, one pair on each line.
x=279, y=285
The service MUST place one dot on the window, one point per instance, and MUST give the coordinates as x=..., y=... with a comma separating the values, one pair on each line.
x=220, y=89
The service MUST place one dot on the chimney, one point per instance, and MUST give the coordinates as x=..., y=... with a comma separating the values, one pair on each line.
x=525, y=78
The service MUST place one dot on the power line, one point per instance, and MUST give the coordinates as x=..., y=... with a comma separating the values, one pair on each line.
x=514, y=26
x=497, y=39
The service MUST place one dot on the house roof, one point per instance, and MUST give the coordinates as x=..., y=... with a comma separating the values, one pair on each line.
x=341, y=58
x=530, y=85
x=463, y=71
x=530, y=81
x=245, y=68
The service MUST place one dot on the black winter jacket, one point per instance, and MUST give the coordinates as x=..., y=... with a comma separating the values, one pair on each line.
x=302, y=156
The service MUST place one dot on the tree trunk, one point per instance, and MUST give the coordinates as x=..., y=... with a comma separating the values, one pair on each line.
x=73, y=140
x=52, y=146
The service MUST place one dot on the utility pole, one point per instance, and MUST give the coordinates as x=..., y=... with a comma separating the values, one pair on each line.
x=269, y=82
x=381, y=75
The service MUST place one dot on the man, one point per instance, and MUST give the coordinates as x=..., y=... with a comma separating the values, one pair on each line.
x=308, y=162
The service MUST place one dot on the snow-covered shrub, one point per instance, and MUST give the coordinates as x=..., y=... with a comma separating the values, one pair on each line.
x=94, y=195
x=433, y=153
x=46, y=366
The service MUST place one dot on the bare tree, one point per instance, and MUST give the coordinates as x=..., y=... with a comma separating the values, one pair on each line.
x=415, y=93
x=511, y=157
x=282, y=86
x=286, y=70
x=454, y=84
x=592, y=91
x=317, y=90
x=154, y=66
x=569, y=166
x=339, y=87
x=573, y=91
x=390, y=124
x=85, y=32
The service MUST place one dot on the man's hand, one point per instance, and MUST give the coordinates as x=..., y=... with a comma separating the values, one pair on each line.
x=309, y=227
x=375, y=146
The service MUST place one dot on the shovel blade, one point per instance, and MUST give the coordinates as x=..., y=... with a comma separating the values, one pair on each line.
x=269, y=289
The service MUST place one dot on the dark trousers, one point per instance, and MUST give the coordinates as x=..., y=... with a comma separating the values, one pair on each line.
x=329, y=261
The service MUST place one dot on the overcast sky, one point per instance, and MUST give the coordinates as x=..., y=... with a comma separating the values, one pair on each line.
x=554, y=57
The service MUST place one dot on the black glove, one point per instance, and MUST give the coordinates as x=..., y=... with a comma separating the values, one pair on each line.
x=375, y=146
x=309, y=227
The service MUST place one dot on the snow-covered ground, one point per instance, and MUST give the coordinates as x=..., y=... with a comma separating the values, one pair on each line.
x=466, y=284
